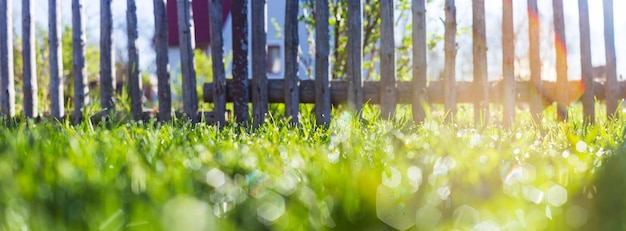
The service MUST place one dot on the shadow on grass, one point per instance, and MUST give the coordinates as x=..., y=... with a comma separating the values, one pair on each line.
x=611, y=191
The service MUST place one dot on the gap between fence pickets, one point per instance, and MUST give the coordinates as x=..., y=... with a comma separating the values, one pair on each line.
x=465, y=91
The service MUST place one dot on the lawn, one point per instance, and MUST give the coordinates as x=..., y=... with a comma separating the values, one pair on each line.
x=353, y=175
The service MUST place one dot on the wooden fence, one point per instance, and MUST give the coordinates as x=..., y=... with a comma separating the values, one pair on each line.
x=292, y=91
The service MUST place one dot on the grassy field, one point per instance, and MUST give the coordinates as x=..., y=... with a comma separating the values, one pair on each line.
x=353, y=175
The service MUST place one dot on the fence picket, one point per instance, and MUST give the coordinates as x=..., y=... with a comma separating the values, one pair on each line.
x=536, y=101
x=79, y=69
x=508, y=56
x=450, y=60
x=355, y=56
x=419, y=96
x=134, y=80
x=561, y=59
x=107, y=75
x=187, y=60
x=322, y=63
x=292, y=91
x=612, y=91
x=29, y=61
x=7, y=83
x=479, y=50
x=239, y=17
x=387, y=60
x=585, y=63
x=162, y=60
x=217, y=56
x=56, y=59
x=259, y=62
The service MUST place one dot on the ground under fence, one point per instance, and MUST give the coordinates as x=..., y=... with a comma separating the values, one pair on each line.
x=322, y=91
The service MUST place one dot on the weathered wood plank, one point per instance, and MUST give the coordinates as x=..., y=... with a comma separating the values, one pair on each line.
x=56, y=59
x=134, y=80
x=79, y=68
x=479, y=53
x=217, y=57
x=508, y=56
x=585, y=62
x=611, y=71
x=187, y=60
x=30, y=86
x=292, y=78
x=419, y=97
x=464, y=90
x=239, y=17
x=450, y=59
x=536, y=104
x=561, y=59
x=7, y=83
x=387, y=60
x=162, y=60
x=259, y=61
x=322, y=63
x=107, y=58
x=355, y=56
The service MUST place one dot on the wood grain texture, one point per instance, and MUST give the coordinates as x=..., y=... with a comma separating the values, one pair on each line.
x=534, y=29
x=479, y=54
x=449, y=75
x=29, y=65
x=79, y=67
x=187, y=60
x=107, y=73
x=322, y=63
x=162, y=60
x=354, y=59
x=259, y=61
x=561, y=59
x=611, y=71
x=387, y=60
x=585, y=63
x=508, y=58
x=56, y=59
x=419, y=93
x=134, y=80
x=239, y=15
x=217, y=58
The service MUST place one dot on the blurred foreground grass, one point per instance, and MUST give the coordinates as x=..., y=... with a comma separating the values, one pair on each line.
x=354, y=175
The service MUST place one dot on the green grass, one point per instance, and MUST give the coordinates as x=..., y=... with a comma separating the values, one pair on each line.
x=353, y=175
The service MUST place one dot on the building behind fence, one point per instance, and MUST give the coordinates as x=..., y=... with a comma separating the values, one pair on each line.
x=291, y=90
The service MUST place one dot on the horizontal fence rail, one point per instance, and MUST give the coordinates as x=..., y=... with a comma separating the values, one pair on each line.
x=292, y=91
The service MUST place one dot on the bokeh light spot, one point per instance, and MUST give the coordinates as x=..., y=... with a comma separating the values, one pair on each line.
x=576, y=216
x=427, y=217
x=556, y=195
x=466, y=216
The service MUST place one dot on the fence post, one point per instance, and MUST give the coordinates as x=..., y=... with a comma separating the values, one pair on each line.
x=240, y=59
x=322, y=63
x=536, y=99
x=217, y=56
x=508, y=55
x=388, y=95
x=7, y=97
x=561, y=60
x=259, y=61
x=134, y=81
x=355, y=56
x=612, y=89
x=585, y=63
x=292, y=89
x=163, y=71
x=187, y=60
x=450, y=60
x=30, y=68
x=107, y=75
x=419, y=64
x=79, y=69
x=479, y=50
x=56, y=59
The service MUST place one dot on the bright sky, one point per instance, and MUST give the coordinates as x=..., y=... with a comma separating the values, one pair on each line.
x=435, y=11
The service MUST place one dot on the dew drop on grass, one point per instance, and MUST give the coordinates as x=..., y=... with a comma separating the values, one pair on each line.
x=581, y=146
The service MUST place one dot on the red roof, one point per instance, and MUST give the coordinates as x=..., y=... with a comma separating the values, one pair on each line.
x=200, y=9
